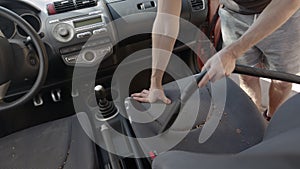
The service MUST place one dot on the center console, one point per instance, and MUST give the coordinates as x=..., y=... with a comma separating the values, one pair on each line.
x=83, y=38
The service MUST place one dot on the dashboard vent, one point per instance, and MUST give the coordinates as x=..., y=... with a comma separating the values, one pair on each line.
x=112, y=1
x=64, y=6
x=69, y=5
x=197, y=5
x=85, y=3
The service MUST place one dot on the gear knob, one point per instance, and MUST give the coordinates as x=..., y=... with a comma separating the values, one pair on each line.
x=100, y=92
x=107, y=109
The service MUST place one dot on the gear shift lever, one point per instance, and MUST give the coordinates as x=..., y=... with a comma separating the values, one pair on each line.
x=100, y=92
x=107, y=109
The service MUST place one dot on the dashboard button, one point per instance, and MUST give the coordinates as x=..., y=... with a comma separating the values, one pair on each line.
x=89, y=56
x=99, y=31
x=71, y=59
x=54, y=21
x=84, y=35
x=95, y=12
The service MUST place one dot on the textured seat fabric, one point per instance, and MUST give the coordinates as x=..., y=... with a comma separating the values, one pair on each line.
x=241, y=126
x=287, y=118
x=187, y=160
x=53, y=145
x=279, y=149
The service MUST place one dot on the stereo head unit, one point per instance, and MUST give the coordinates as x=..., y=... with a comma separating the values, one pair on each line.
x=82, y=39
x=66, y=29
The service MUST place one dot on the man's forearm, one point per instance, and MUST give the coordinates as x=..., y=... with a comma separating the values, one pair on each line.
x=164, y=35
x=161, y=53
x=274, y=16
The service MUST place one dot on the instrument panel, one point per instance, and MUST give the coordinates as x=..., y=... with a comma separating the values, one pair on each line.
x=7, y=27
x=10, y=29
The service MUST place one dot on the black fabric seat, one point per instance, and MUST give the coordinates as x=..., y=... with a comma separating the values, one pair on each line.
x=241, y=126
x=279, y=149
x=61, y=144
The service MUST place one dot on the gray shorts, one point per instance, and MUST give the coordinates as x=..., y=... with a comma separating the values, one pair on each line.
x=280, y=51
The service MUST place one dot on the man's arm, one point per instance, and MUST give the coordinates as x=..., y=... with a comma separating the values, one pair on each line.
x=273, y=16
x=164, y=35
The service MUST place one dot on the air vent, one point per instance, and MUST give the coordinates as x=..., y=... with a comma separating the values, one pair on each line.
x=85, y=3
x=197, y=5
x=64, y=6
x=69, y=5
x=113, y=1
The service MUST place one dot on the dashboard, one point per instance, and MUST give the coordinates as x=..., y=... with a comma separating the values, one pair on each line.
x=85, y=32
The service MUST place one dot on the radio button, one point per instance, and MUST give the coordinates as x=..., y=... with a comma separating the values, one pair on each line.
x=99, y=31
x=95, y=12
x=84, y=35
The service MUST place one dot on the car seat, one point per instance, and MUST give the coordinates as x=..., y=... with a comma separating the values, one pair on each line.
x=58, y=144
x=280, y=147
x=241, y=125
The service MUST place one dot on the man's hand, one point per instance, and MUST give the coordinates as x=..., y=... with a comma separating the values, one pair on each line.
x=151, y=96
x=220, y=65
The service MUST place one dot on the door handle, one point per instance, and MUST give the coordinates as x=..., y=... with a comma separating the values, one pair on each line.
x=146, y=5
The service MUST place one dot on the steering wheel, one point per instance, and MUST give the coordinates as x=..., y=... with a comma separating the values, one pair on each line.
x=6, y=61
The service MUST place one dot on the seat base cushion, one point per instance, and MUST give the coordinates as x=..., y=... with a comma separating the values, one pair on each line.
x=58, y=144
x=279, y=149
x=240, y=127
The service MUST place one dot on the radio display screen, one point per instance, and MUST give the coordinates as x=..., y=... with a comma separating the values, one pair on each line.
x=87, y=22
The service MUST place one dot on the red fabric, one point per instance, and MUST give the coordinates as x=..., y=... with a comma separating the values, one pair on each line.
x=152, y=155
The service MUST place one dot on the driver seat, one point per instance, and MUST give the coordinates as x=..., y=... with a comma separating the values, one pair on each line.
x=240, y=127
x=279, y=149
x=60, y=144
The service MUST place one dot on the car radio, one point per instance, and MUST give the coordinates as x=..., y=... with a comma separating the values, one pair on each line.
x=83, y=39
x=82, y=27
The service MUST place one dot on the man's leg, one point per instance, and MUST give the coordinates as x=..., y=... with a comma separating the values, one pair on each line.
x=251, y=86
x=233, y=25
x=278, y=93
x=282, y=51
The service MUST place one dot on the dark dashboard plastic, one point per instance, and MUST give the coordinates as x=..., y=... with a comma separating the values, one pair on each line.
x=141, y=15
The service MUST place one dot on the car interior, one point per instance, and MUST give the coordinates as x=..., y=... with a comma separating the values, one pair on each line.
x=68, y=68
